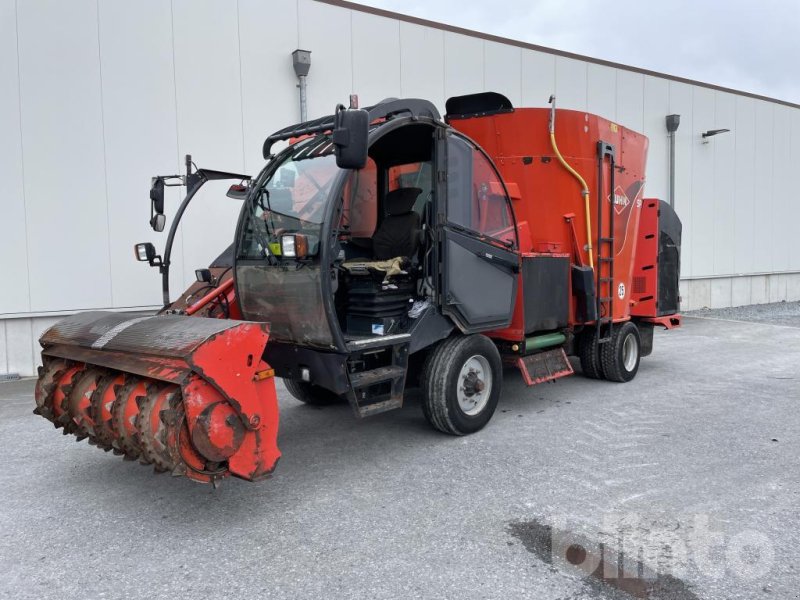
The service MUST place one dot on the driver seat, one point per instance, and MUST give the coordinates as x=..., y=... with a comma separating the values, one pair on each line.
x=398, y=234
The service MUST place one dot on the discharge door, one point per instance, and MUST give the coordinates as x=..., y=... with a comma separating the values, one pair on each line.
x=480, y=261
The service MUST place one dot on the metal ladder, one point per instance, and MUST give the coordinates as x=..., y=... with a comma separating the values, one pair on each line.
x=604, y=331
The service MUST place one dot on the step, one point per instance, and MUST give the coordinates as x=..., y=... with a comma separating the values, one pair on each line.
x=368, y=410
x=544, y=366
x=373, y=376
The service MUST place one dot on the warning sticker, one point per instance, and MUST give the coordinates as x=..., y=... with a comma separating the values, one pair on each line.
x=621, y=291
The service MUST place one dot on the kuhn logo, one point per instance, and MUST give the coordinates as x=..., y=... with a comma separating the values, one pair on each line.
x=621, y=200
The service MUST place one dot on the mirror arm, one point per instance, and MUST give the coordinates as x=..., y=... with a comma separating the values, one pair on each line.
x=194, y=182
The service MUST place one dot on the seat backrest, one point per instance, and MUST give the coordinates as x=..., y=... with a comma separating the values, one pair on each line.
x=398, y=233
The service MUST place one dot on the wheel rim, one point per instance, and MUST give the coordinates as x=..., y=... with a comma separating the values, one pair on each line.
x=474, y=385
x=630, y=353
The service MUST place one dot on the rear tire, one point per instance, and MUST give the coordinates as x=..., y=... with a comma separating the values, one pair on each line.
x=309, y=393
x=621, y=355
x=461, y=384
x=589, y=354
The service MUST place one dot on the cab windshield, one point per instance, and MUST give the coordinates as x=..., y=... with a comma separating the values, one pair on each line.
x=290, y=199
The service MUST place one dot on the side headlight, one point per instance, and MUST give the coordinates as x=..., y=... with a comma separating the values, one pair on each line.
x=294, y=245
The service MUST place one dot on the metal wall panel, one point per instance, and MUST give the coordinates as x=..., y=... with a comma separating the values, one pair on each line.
x=655, y=109
x=571, y=83
x=13, y=238
x=209, y=108
x=602, y=91
x=763, y=200
x=326, y=31
x=3, y=349
x=376, y=58
x=19, y=347
x=422, y=63
x=463, y=64
x=630, y=99
x=503, y=70
x=794, y=209
x=744, y=187
x=270, y=99
x=724, y=191
x=62, y=141
x=784, y=230
x=702, y=217
x=139, y=113
x=538, y=77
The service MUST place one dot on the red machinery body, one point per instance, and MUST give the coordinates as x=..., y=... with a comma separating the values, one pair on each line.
x=189, y=390
x=547, y=200
x=188, y=395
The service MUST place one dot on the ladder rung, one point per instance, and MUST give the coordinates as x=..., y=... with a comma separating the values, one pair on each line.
x=606, y=279
x=605, y=298
x=605, y=259
x=606, y=239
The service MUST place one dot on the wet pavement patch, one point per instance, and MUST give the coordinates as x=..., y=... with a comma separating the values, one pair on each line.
x=603, y=569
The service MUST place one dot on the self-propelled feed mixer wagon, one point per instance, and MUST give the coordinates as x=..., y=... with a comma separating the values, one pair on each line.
x=379, y=250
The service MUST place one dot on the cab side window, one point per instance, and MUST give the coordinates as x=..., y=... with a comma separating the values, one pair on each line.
x=476, y=198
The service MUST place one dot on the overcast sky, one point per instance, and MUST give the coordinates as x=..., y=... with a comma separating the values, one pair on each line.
x=747, y=45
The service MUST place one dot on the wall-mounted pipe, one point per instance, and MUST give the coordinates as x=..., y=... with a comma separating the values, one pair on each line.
x=301, y=61
x=673, y=121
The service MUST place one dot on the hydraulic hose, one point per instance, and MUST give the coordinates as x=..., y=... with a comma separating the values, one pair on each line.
x=576, y=175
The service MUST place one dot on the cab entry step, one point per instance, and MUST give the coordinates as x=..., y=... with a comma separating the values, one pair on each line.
x=544, y=366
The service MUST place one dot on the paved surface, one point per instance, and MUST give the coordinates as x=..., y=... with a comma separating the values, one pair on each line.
x=779, y=313
x=697, y=461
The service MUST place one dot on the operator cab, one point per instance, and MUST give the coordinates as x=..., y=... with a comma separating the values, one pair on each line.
x=356, y=268
x=381, y=236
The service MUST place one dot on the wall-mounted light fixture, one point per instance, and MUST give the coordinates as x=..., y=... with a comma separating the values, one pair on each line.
x=711, y=133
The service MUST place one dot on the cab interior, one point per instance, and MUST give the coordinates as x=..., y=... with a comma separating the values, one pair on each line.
x=383, y=234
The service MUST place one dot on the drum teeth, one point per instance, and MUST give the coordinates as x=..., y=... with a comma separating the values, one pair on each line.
x=132, y=416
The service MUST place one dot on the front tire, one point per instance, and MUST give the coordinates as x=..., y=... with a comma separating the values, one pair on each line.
x=621, y=355
x=461, y=384
x=309, y=393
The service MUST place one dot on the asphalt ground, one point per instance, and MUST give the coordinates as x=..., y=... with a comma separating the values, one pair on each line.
x=684, y=483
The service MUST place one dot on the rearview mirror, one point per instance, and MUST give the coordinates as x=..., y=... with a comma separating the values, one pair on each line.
x=350, y=132
x=157, y=195
x=157, y=221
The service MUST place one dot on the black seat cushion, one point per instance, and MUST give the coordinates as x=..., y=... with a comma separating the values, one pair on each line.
x=398, y=233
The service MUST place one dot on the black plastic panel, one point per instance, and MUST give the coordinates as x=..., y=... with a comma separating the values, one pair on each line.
x=584, y=291
x=669, y=259
x=545, y=281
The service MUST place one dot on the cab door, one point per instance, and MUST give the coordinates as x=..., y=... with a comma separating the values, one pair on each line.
x=479, y=246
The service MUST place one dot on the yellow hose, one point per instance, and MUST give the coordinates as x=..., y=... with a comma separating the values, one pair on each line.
x=576, y=175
